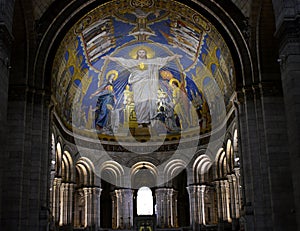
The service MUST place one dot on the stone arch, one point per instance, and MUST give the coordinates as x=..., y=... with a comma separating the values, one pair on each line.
x=112, y=172
x=221, y=164
x=172, y=169
x=58, y=159
x=202, y=169
x=85, y=172
x=67, y=167
x=143, y=174
x=235, y=144
x=229, y=155
x=232, y=32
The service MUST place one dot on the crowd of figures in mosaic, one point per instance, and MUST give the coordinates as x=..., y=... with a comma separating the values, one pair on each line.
x=137, y=67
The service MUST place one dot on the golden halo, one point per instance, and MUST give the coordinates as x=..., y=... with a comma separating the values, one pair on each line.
x=166, y=74
x=150, y=52
x=112, y=72
x=174, y=80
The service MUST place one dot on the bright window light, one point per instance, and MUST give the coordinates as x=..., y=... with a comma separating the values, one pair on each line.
x=144, y=201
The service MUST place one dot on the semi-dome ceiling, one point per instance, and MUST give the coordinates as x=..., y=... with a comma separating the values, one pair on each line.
x=102, y=83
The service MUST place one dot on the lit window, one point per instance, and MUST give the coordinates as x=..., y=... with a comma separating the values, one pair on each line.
x=144, y=201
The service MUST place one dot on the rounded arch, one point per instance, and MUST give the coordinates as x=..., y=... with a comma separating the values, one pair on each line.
x=236, y=153
x=58, y=159
x=53, y=146
x=235, y=140
x=229, y=155
x=220, y=164
x=143, y=174
x=173, y=168
x=201, y=168
x=112, y=172
x=85, y=172
x=67, y=167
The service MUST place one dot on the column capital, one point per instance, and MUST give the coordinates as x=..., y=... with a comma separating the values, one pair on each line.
x=169, y=191
x=97, y=190
x=203, y=188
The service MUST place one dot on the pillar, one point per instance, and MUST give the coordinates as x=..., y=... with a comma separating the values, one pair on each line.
x=288, y=34
x=166, y=204
x=96, y=202
x=6, y=39
x=122, y=200
x=66, y=204
x=197, y=208
x=56, y=199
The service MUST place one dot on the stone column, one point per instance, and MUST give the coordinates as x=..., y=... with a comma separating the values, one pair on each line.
x=70, y=203
x=122, y=200
x=56, y=199
x=232, y=195
x=127, y=208
x=96, y=204
x=225, y=195
x=91, y=206
x=234, y=198
x=289, y=59
x=159, y=207
x=88, y=206
x=6, y=39
x=66, y=204
x=78, y=206
x=195, y=209
x=219, y=200
x=238, y=190
x=227, y=201
x=166, y=204
x=250, y=138
x=63, y=204
x=202, y=205
x=174, y=209
x=114, y=206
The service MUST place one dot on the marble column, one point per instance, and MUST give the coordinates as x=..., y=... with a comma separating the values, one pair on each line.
x=219, y=200
x=96, y=203
x=122, y=200
x=202, y=204
x=56, y=199
x=166, y=203
x=195, y=206
x=114, y=206
x=66, y=204
x=288, y=35
x=224, y=187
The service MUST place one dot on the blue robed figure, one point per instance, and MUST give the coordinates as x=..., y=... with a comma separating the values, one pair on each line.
x=105, y=102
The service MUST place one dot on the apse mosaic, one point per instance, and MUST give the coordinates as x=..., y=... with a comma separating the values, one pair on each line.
x=132, y=64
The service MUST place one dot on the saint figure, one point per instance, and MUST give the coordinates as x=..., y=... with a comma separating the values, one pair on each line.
x=106, y=101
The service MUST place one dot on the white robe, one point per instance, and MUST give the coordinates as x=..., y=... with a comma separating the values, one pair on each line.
x=144, y=81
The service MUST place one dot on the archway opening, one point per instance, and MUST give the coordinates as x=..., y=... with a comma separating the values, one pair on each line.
x=144, y=201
